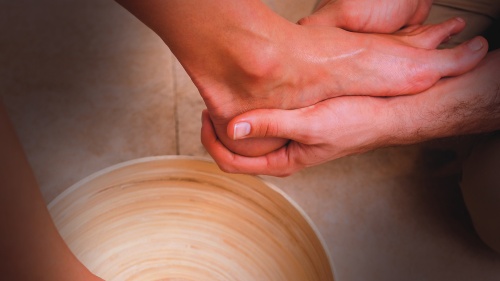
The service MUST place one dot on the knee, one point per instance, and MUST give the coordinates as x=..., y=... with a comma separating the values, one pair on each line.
x=481, y=191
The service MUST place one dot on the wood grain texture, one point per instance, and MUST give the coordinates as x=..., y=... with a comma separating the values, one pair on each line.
x=181, y=218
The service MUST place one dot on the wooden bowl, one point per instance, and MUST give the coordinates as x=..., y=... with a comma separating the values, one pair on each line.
x=181, y=218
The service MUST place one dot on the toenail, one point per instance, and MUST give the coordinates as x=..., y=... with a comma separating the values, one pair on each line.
x=475, y=44
x=241, y=130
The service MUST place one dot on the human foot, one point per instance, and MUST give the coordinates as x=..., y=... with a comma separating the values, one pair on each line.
x=342, y=126
x=321, y=63
x=242, y=56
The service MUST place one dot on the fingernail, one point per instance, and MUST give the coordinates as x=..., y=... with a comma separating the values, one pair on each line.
x=241, y=130
x=476, y=44
x=460, y=19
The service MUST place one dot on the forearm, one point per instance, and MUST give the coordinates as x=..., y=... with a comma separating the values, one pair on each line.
x=466, y=104
x=31, y=248
x=343, y=126
x=242, y=56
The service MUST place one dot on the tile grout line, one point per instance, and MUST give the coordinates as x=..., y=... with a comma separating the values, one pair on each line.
x=176, y=111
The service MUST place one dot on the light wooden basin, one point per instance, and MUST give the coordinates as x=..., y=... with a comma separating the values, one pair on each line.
x=181, y=218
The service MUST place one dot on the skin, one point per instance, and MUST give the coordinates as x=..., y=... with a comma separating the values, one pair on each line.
x=373, y=17
x=480, y=190
x=31, y=247
x=249, y=64
x=260, y=60
x=343, y=126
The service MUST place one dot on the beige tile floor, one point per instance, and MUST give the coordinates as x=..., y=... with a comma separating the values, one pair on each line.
x=88, y=86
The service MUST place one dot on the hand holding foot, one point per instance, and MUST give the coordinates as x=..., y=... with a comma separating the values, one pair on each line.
x=242, y=56
x=305, y=73
x=348, y=125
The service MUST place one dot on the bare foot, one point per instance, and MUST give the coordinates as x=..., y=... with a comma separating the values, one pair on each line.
x=310, y=64
x=342, y=126
x=243, y=56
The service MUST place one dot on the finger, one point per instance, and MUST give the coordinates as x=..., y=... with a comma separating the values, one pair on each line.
x=430, y=36
x=348, y=15
x=276, y=163
x=459, y=60
x=295, y=124
x=421, y=12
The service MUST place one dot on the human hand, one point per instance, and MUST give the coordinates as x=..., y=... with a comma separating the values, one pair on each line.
x=343, y=126
x=242, y=56
x=318, y=66
x=369, y=15
x=328, y=130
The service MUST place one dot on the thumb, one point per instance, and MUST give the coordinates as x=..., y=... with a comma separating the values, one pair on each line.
x=280, y=123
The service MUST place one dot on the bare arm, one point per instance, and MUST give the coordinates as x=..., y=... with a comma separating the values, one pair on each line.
x=457, y=106
x=348, y=125
x=242, y=56
x=30, y=246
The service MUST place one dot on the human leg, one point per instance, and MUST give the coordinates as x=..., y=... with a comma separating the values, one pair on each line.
x=30, y=245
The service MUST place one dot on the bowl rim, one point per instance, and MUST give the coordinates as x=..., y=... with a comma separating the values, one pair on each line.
x=272, y=186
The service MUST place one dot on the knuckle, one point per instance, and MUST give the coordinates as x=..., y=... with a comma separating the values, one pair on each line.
x=273, y=129
x=267, y=128
x=419, y=79
x=313, y=133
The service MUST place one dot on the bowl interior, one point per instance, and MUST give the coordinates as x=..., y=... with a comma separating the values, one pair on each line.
x=178, y=218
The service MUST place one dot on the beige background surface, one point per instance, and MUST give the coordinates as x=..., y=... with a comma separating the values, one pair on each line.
x=88, y=86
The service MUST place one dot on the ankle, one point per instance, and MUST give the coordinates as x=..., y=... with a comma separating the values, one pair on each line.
x=243, y=79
